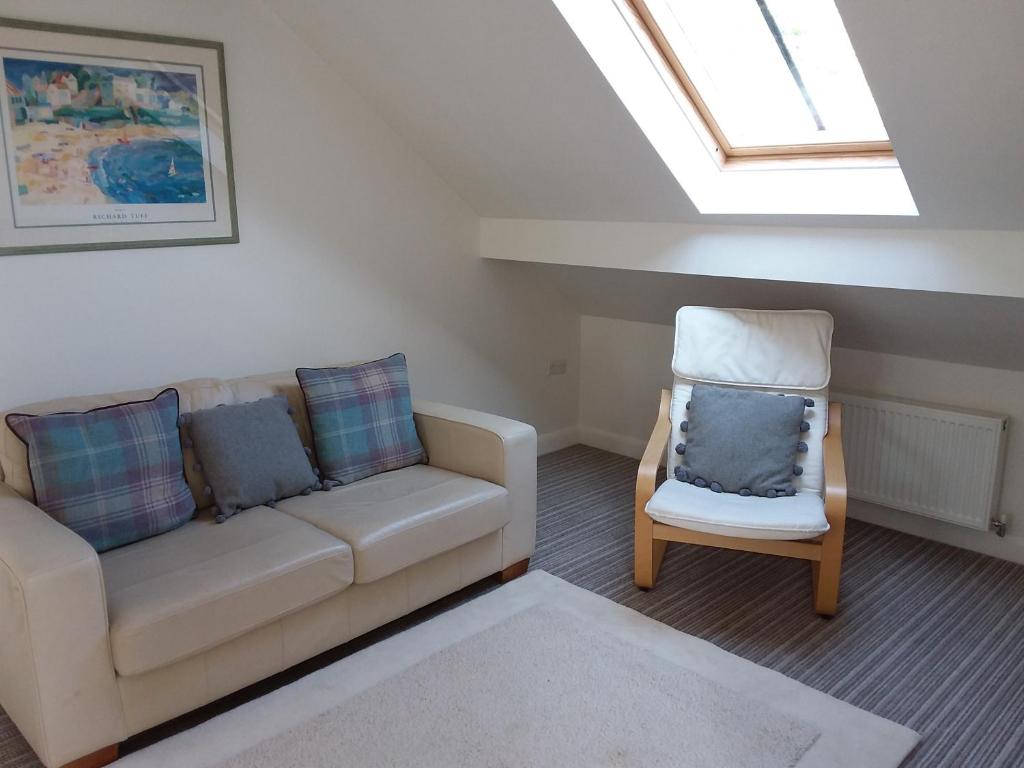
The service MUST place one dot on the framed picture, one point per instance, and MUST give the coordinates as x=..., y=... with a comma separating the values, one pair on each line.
x=112, y=140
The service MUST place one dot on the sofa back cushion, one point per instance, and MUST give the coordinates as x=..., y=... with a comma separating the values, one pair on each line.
x=113, y=475
x=192, y=395
x=251, y=388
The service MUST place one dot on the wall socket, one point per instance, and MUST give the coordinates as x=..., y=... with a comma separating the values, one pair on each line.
x=558, y=368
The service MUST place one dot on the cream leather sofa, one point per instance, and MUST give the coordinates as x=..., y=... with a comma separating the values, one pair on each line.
x=96, y=648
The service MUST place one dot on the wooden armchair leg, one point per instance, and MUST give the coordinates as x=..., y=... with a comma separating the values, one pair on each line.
x=825, y=574
x=647, y=551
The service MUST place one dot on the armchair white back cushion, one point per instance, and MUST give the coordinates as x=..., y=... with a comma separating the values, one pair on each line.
x=765, y=350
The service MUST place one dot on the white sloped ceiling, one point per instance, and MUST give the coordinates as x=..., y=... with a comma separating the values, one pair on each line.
x=505, y=103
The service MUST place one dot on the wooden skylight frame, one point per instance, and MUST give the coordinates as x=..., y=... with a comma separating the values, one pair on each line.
x=649, y=32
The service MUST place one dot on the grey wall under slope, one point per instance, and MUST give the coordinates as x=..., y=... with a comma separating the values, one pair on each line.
x=973, y=330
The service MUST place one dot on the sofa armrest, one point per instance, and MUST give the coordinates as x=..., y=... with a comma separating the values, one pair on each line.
x=57, y=679
x=492, y=448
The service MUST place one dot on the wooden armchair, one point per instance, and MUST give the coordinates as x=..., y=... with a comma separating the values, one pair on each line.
x=653, y=533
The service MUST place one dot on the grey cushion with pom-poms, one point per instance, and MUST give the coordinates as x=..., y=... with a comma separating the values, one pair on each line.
x=745, y=440
x=251, y=454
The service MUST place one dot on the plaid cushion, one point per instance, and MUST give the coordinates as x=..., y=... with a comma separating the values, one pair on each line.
x=361, y=418
x=113, y=475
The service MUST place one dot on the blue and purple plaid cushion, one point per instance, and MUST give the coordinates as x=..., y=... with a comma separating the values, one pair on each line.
x=113, y=475
x=361, y=418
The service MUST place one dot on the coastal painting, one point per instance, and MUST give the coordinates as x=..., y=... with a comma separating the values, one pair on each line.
x=94, y=140
x=90, y=136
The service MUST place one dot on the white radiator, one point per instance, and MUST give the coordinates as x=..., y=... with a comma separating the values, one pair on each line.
x=926, y=459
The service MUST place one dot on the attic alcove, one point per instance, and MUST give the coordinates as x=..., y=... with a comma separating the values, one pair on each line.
x=948, y=327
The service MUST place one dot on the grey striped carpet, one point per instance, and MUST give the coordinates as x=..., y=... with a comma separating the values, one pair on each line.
x=928, y=635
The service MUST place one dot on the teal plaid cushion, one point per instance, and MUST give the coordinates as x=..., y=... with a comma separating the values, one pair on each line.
x=361, y=418
x=113, y=475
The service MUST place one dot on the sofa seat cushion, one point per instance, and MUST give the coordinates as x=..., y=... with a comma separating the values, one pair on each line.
x=747, y=517
x=200, y=585
x=395, y=519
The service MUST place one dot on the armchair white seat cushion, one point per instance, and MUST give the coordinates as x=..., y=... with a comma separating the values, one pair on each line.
x=729, y=514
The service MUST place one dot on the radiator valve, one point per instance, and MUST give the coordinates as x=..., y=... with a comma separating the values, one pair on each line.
x=999, y=526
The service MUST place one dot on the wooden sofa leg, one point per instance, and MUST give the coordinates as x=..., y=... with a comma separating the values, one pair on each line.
x=514, y=571
x=96, y=759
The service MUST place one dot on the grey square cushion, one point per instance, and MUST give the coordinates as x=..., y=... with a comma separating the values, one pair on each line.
x=741, y=441
x=251, y=454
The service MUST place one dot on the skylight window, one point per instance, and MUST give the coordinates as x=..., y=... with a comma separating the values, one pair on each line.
x=768, y=76
x=755, y=106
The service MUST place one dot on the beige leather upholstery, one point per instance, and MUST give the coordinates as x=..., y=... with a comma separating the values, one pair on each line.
x=188, y=590
x=499, y=450
x=57, y=681
x=398, y=518
x=173, y=596
x=157, y=696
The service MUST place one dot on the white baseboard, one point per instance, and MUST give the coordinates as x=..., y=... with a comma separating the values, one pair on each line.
x=609, y=441
x=548, y=442
x=1010, y=547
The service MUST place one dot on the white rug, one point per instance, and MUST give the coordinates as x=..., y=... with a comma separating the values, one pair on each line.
x=539, y=673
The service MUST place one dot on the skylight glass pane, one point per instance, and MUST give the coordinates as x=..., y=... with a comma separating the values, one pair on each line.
x=772, y=72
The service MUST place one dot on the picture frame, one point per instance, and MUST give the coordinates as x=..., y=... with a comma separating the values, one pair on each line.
x=112, y=139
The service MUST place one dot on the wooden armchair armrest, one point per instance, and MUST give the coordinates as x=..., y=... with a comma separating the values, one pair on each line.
x=835, y=468
x=647, y=475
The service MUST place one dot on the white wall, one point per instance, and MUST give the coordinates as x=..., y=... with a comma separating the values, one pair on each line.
x=351, y=247
x=624, y=364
